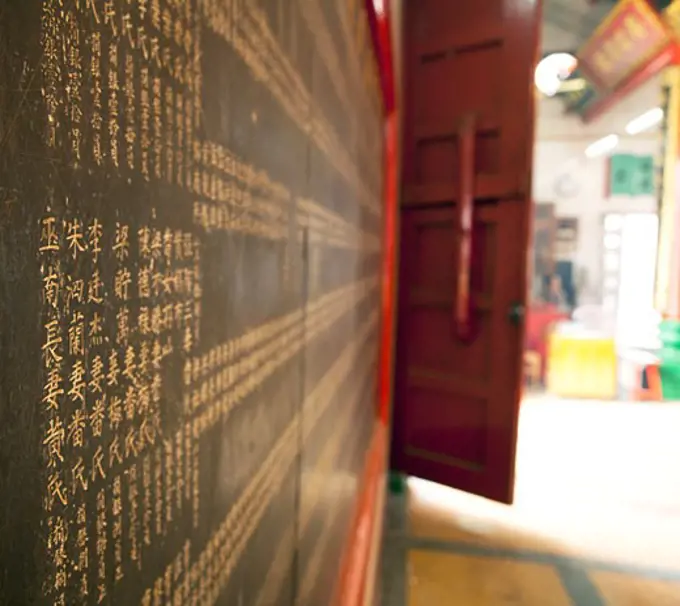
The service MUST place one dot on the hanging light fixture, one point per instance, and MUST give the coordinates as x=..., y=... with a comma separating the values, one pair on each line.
x=645, y=121
x=602, y=146
x=552, y=70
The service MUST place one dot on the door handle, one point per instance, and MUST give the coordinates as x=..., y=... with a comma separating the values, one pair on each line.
x=462, y=306
x=516, y=313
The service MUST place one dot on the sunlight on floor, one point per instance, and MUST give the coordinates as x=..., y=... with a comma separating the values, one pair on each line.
x=596, y=519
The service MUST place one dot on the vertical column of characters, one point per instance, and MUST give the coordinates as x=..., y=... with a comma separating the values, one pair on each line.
x=143, y=433
x=204, y=185
x=148, y=247
x=209, y=180
x=184, y=35
x=83, y=467
x=155, y=24
x=85, y=338
x=150, y=329
x=97, y=111
x=159, y=519
x=168, y=17
x=188, y=337
x=196, y=110
x=53, y=395
x=228, y=166
x=89, y=409
x=180, y=63
x=172, y=587
x=52, y=42
x=147, y=512
x=179, y=290
x=111, y=27
x=144, y=54
x=178, y=285
x=101, y=545
x=189, y=389
x=145, y=120
x=125, y=444
x=130, y=36
x=197, y=296
x=163, y=299
x=224, y=194
x=146, y=328
x=74, y=82
x=185, y=591
x=213, y=391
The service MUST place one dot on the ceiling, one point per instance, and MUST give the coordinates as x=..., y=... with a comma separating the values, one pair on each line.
x=567, y=24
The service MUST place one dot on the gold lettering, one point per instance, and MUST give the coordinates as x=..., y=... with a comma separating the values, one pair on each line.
x=121, y=246
x=98, y=464
x=114, y=369
x=51, y=287
x=53, y=390
x=77, y=380
x=79, y=478
x=54, y=441
x=95, y=288
x=75, y=238
x=76, y=335
x=97, y=417
x=49, y=238
x=636, y=29
x=55, y=491
x=52, y=344
x=76, y=428
x=115, y=412
x=114, y=453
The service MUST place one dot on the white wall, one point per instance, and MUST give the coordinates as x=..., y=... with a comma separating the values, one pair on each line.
x=559, y=152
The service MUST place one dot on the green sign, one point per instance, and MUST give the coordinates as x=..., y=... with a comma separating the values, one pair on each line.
x=631, y=175
x=580, y=101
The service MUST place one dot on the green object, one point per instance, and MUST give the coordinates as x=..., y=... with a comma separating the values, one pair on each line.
x=631, y=175
x=582, y=99
x=669, y=368
x=397, y=483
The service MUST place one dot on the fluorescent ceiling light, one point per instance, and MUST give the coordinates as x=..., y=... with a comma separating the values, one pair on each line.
x=569, y=86
x=645, y=121
x=552, y=70
x=602, y=146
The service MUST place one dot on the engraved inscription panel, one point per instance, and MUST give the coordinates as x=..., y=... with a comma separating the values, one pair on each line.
x=190, y=237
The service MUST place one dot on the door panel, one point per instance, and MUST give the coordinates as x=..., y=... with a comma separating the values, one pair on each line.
x=457, y=402
x=457, y=396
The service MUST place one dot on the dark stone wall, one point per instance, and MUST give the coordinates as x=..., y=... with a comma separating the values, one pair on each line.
x=189, y=295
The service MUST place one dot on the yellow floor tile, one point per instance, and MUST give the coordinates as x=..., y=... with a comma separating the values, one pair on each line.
x=624, y=590
x=608, y=495
x=438, y=512
x=436, y=578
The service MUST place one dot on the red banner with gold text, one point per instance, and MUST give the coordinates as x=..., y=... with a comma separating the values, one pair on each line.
x=628, y=39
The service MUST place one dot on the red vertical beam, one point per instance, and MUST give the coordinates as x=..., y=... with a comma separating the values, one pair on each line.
x=380, y=22
x=386, y=358
x=354, y=568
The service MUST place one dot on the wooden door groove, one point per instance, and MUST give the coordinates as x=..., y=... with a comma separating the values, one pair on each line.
x=427, y=378
x=442, y=44
x=432, y=298
x=487, y=187
x=449, y=460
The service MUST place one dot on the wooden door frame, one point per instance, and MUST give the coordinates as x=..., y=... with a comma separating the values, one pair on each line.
x=379, y=16
x=358, y=566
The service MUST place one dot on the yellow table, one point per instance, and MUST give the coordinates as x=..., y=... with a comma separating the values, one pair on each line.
x=581, y=366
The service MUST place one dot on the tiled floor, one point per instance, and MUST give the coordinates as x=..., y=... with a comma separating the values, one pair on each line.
x=596, y=520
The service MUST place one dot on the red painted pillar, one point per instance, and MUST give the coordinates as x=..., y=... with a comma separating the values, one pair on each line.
x=388, y=325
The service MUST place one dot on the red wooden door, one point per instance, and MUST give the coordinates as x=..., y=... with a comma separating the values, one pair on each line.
x=468, y=137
